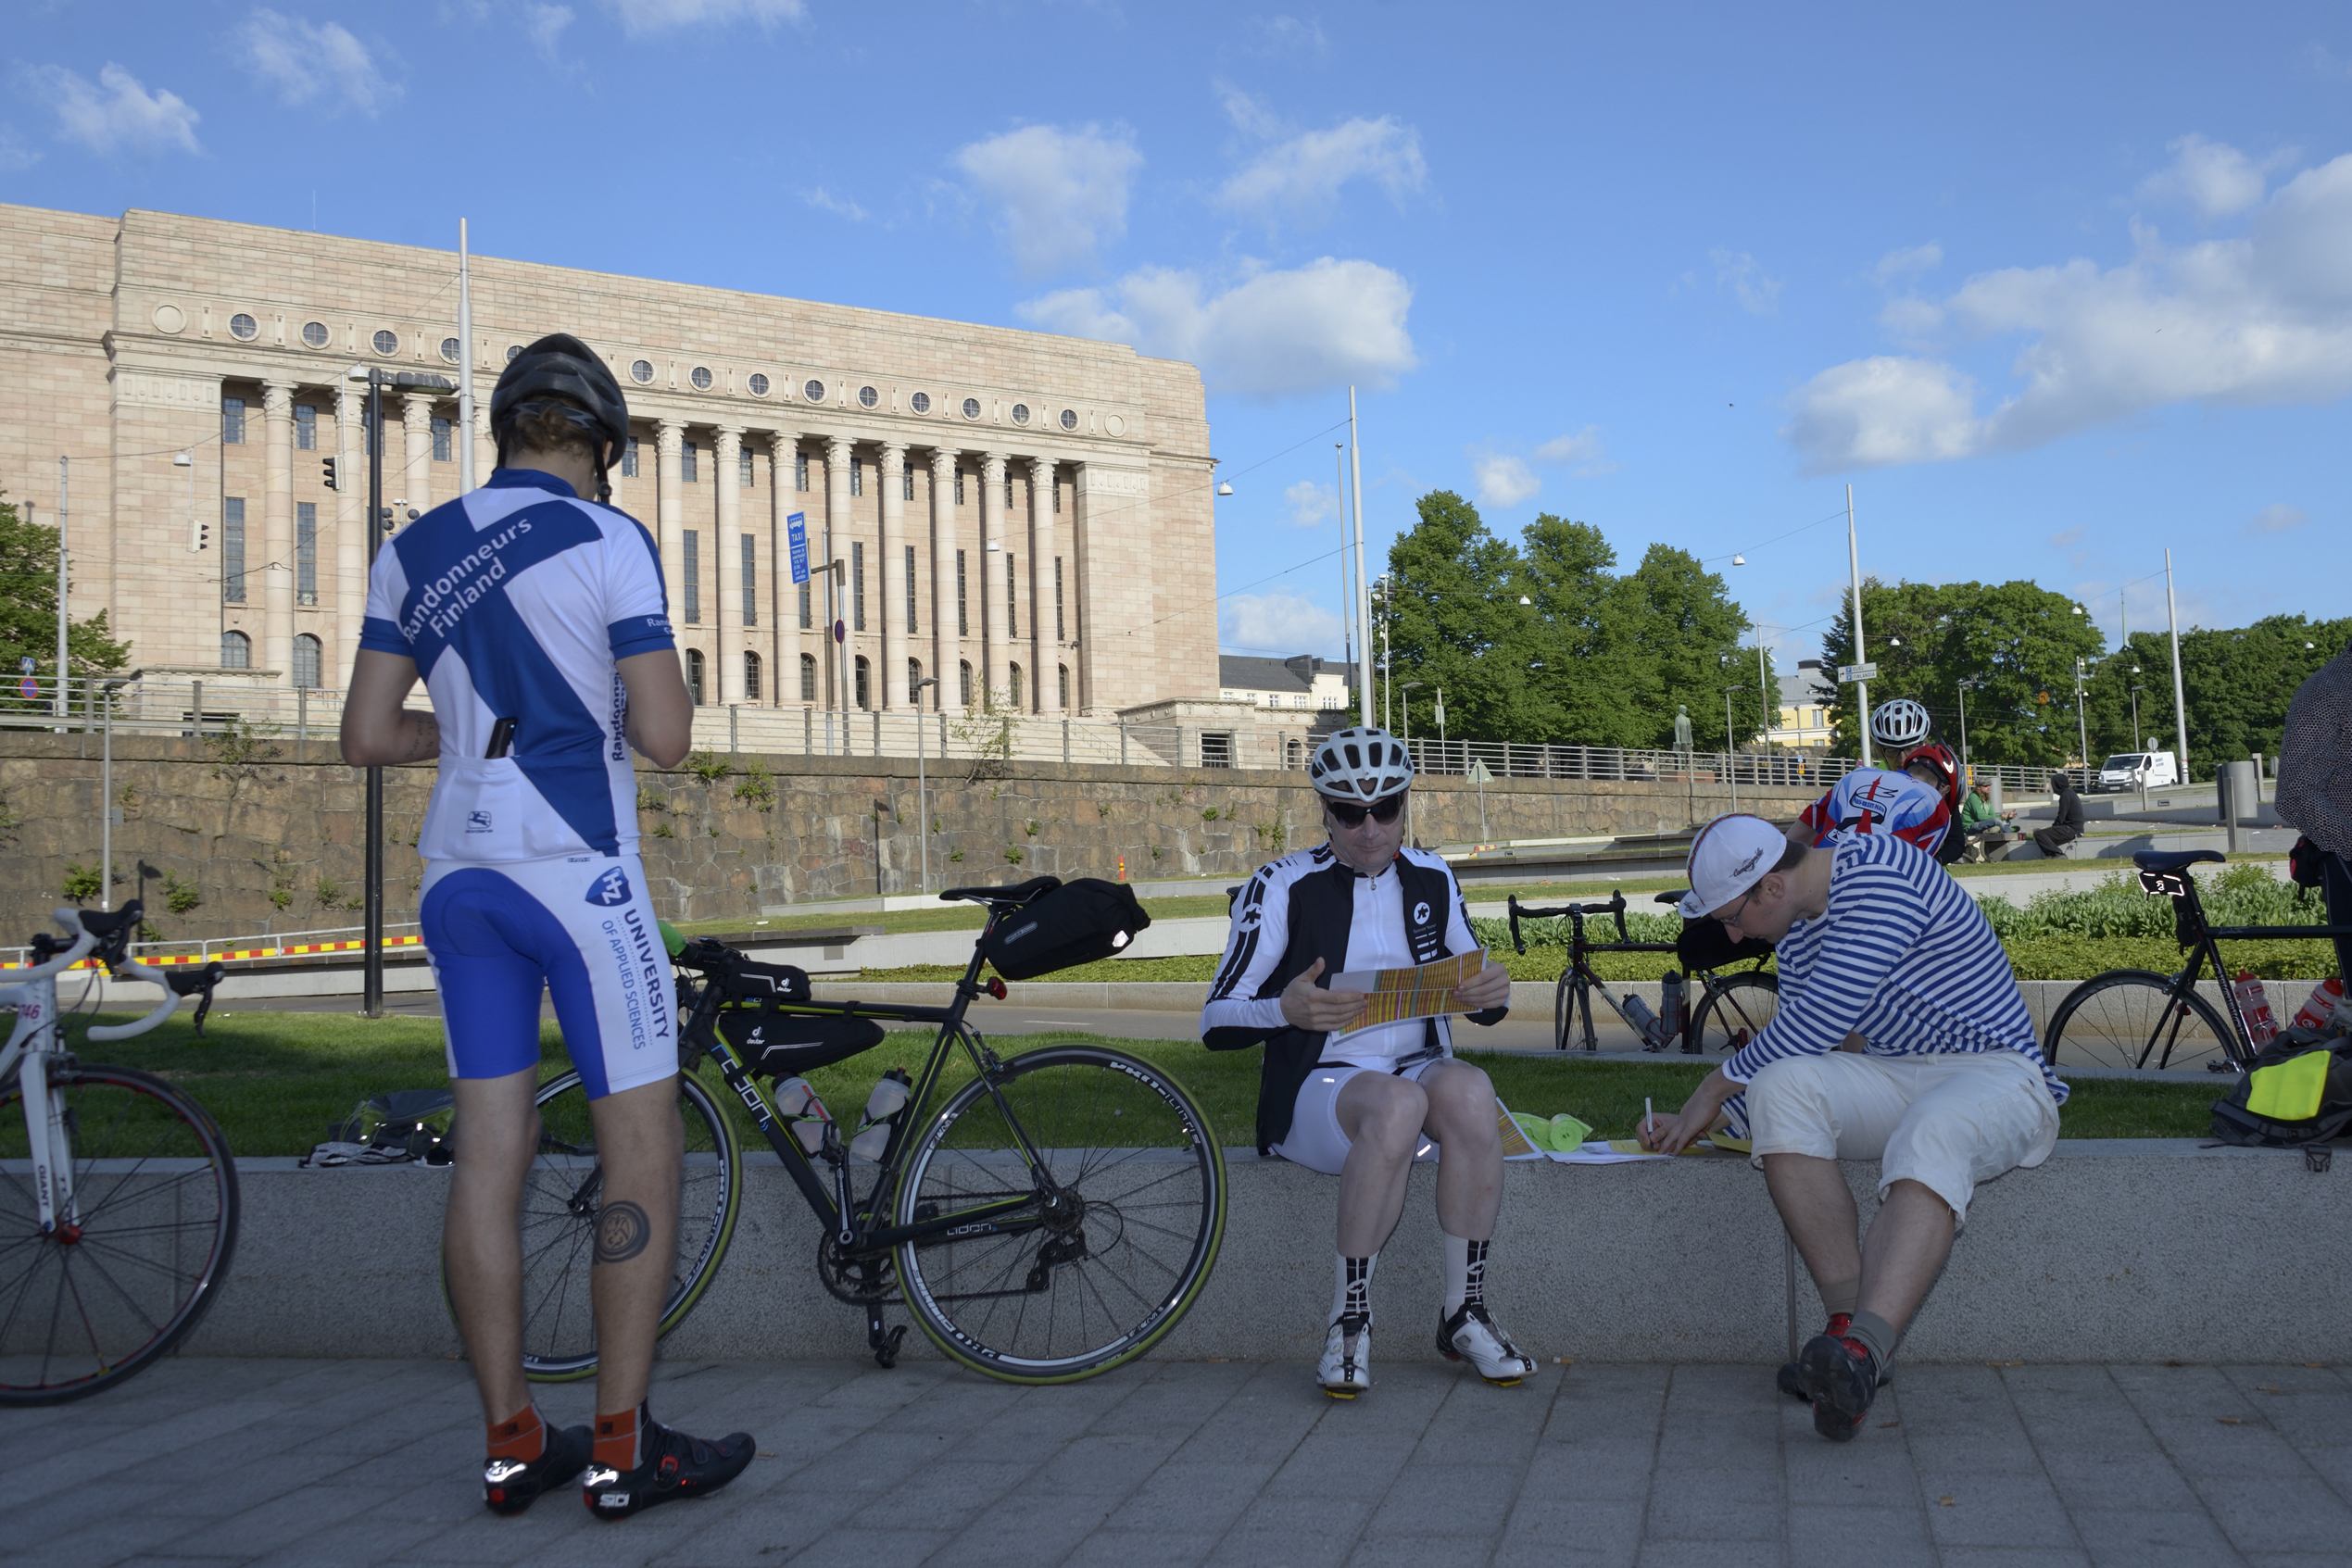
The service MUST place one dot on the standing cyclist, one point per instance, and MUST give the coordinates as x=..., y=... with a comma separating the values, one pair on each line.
x=1363, y=1104
x=539, y=622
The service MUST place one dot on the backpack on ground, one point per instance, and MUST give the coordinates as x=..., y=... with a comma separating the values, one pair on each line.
x=1077, y=923
x=2298, y=1092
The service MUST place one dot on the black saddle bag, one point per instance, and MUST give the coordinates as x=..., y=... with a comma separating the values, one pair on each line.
x=777, y=1044
x=1077, y=923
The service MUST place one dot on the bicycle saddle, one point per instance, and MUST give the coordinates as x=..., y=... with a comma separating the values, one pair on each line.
x=2175, y=860
x=1019, y=893
x=1674, y=898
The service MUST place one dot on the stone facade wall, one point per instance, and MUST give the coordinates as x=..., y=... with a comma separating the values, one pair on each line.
x=272, y=839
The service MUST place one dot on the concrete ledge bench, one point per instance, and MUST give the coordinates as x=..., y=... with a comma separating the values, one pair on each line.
x=2114, y=1250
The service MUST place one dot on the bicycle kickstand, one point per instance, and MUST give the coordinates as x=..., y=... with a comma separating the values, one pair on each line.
x=883, y=1342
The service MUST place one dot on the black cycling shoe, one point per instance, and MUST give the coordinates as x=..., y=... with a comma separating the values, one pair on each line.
x=1842, y=1377
x=509, y=1485
x=1792, y=1380
x=675, y=1466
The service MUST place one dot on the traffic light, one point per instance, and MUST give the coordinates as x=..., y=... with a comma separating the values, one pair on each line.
x=387, y=520
x=201, y=537
x=331, y=479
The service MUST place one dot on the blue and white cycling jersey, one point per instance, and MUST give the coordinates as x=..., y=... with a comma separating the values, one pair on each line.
x=516, y=601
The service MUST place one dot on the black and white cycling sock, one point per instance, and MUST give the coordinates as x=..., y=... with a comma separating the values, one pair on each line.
x=1466, y=1274
x=1352, y=1285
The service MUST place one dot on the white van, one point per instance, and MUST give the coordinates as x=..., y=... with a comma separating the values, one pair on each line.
x=2137, y=770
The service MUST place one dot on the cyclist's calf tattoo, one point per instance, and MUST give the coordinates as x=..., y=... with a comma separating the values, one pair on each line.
x=622, y=1233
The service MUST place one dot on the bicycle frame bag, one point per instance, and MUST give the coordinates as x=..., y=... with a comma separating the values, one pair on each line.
x=1077, y=923
x=775, y=1044
x=2298, y=1092
x=751, y=981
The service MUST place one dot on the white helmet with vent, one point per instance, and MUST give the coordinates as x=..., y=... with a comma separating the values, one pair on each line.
x=1360, y=764
x=1900, y=723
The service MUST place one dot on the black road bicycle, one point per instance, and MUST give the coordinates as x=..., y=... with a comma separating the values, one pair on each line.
x=1728, y=1012
x=1044, y=1217
x=2138, y=1017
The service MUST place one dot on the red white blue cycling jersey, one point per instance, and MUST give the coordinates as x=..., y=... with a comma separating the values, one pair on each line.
x=1874, y=800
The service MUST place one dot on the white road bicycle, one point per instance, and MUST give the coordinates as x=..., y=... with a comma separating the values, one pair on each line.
x=118, y=1197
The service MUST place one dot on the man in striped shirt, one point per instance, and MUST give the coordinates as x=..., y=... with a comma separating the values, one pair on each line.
x=1900, y=1037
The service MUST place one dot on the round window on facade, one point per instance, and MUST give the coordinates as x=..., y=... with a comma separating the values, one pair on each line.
x=920, y=402
x=388, y=343
x=449, y=347
x=514, y=352
x=970, y=408
x=813, y=390
x=868, y=397
x=1069, y=419
x=759, y=384
x=315, y=333
x=700, y=376
x=1020, y=413
x=242, y=326
x=641, y=372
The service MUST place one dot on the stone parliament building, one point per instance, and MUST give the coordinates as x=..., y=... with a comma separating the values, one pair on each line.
x=1014, y=513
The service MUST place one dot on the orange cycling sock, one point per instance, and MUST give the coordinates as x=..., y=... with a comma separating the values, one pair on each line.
x=523, y=1437
x=616, y=1438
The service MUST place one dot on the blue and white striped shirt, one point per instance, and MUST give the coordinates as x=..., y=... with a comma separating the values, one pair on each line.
x=1903, y=957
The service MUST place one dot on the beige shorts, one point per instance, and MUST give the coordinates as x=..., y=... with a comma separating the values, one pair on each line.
x=1945, y=1121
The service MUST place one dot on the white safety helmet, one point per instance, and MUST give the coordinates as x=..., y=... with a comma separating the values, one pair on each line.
x=1901, y=722
x=1360, y=764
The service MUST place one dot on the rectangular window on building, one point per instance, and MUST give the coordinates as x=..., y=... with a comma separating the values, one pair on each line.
x=629, y=460
x=1008, y=492
x=1011, y=598
x=441, y=446
x=687, y=472
x=808, y=668
x=963, y=614
x=231, y=550
x=306, y=428
x=306, y=552
x=959, y=487
x=743, y=465
x=808, y=611
x=751, y=580
x=857, y=477
x=691, y=563
x=800, y=471
x=911, y=625
x=857, y=583
x=1058, y=635
x=233, y=421
x=906, y=482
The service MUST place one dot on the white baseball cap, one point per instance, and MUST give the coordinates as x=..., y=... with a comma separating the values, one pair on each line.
x=1731, y=855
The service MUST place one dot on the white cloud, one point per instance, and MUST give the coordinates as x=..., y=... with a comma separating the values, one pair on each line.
x=14, y=154
x=2213, y=178
x=1300, y=179
x=1249, y=113
x=1583, y=445
x=659, y=16
x=544, y=26
x=2277, y=518
x=1059, y=194
x=1758, y=295
x=306, y=62
x=118, y=115
x=826, y=201
x=1503, y=481
x=1283, y=35
x=1273, y=334
x=1280, y=623
x=2266, y=318
x=1907, y=262
x=1310, y=503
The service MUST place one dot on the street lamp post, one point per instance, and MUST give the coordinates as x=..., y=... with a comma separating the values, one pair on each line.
x=106, y=789
x=1406, y=736
x=921, y=797
x=1964, y=684
x=2082, y=722
x=1730, y=758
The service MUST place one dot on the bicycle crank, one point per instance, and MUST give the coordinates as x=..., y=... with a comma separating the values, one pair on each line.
x=865, y=1279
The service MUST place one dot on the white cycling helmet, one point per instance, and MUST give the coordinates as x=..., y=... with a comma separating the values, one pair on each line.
x=1901, y=722
x=1360, y=763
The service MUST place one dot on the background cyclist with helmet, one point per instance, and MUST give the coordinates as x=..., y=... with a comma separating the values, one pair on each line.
x=1362, y=1104
x=537, y=620
x=1918, y=800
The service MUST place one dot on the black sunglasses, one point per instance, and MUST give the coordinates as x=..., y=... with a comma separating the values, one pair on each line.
x=1381, y=811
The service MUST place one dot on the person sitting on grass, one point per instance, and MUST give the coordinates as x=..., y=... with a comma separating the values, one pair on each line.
x=1362, y=1104
x=1900, y=1037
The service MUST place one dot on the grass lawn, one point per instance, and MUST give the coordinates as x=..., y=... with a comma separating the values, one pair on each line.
x=274, y=1080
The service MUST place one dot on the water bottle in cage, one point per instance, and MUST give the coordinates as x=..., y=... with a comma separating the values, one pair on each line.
x=2256, y=1008
x=1670, y=1022
x=881, y=1109
x=1644, y=1022
x=803, y=1111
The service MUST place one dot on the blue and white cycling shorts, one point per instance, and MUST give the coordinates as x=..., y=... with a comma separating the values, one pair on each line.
x=580, y=927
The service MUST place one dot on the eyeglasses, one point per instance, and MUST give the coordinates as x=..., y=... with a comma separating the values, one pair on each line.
x=1739, y=909
x=1381, y=811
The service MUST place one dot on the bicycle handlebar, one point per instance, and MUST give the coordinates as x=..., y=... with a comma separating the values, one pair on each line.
x=132, y=969
x=1576, y=913
x=107, y=934
x=76, y=950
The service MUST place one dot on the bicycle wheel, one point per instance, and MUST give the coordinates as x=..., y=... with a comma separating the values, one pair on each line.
x=1056, y=1294
x=1734, y=1011
x=156, y=1202
x=2130, y=1018
x=562, y=1198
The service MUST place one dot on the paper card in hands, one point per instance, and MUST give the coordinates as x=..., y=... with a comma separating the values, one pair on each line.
x=1429, y=991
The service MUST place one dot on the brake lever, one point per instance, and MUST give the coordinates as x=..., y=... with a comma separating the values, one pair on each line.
x=1511, y=903
x=196, y=983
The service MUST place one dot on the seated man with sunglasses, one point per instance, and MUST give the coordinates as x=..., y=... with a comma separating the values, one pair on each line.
x=1900, y=1037
x=1362, y=1104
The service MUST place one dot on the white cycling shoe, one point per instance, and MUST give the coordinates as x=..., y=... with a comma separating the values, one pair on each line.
x=1346, y=1368
x=1470, y=1336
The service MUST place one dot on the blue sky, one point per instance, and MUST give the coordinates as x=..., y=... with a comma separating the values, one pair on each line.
x=2053, y=287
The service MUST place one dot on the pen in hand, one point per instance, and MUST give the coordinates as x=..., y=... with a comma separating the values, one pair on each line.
x=1649, y=1120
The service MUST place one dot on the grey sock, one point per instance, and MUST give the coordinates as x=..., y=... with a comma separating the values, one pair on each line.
x=1839, y=1295
x=1880, y=1335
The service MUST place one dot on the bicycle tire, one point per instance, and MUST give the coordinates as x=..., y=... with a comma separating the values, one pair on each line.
x=1563, y=1009
x=559, y=1217
x=2101, y=1019
x=1734, y=1011
x=156, y=1192
x=1066, y=1099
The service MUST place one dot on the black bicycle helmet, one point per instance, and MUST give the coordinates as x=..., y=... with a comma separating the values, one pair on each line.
x=563, y=364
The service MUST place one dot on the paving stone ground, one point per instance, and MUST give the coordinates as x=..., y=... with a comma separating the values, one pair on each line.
x=1183, y=1462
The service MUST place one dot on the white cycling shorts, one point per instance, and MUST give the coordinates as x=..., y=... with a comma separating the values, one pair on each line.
x=579, y=927
x=1314, y=1139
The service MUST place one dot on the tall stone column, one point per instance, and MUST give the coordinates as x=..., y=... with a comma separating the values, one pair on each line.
x=485, y=450
x=894, y=574
x=726, y=569
x=350, y=534
x=416, y=417
x=670, y=524
x=275, y=559
x=946, y=646
x=1043, y=634
x=784, y=595
x=838, y=528
x=996, y=636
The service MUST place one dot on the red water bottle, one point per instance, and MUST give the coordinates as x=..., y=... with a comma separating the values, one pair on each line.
x=2325, y=999
x=2254, y=1008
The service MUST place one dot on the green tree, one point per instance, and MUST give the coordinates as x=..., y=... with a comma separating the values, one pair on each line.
x=1455, y=623
x=2238, y=680
x=1586, y=669
x=29, y=608
x=1687, y=630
